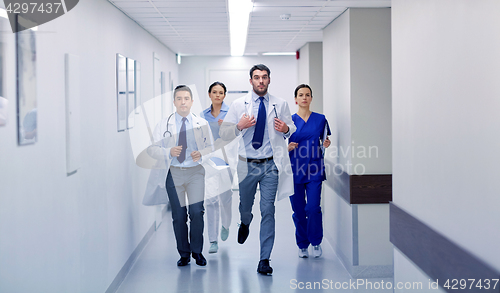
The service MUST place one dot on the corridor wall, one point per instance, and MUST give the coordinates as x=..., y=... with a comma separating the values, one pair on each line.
x=310, y=71
x=74, y=233
x=357, y=104
x=196, y=70
x=446, y=65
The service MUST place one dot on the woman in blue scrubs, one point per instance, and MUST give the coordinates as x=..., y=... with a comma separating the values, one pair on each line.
x=306, y=147
x=218, y=192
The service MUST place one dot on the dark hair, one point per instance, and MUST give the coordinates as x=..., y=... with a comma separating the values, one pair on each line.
x=183, y=88
x=217, y=83
x=261, y=67
x=301, y=86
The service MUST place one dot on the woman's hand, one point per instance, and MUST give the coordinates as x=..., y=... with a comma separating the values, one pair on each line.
x=292, y=146
x=327, y=142
x=220, y=121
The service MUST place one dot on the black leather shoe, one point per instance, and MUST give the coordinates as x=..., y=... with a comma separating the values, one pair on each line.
x=184, y=261
x=200, y=259
x=243, y=233
x=264, y=268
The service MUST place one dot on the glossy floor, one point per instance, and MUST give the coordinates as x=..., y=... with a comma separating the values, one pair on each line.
x=234, y=267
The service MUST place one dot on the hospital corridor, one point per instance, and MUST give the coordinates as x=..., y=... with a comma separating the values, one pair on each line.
x=157, y=146
x=234, y=269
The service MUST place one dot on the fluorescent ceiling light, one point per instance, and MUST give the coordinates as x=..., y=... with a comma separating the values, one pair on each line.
x=280, y=53
x=239, y=13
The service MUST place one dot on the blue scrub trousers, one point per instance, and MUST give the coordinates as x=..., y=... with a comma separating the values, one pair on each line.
x=307, y=213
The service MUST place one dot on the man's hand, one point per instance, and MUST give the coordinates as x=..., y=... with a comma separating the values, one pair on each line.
x=280, y=125
x=196, y=155
x=292, y=146
x=176, y=151
x=327, y=142
x=246, y=122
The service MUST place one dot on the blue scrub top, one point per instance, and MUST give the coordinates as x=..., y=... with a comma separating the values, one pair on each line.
x=307, y=159
x=214, y=121
x=214, y=126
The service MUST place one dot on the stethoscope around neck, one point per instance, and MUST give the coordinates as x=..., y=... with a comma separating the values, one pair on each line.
x=274, y=105
x=168, y=120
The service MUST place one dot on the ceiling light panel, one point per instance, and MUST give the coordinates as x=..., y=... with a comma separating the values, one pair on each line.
x=198, y=27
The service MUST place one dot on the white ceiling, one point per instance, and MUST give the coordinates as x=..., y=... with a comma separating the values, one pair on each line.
x=197, y=27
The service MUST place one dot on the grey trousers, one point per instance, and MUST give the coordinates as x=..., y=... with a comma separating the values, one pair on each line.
x=266, y=175
x=190, y=181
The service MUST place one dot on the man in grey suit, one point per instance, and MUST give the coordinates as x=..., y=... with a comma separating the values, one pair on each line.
x=261, y=122
x=182, y=139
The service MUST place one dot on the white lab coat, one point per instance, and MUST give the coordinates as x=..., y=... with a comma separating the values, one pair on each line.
x=165, y=136
x=278, y=140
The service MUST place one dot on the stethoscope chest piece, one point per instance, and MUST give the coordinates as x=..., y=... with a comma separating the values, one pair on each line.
x=168, y=120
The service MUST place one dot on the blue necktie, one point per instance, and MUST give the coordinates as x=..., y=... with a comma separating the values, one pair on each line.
x=258, y=135
x=182, y=141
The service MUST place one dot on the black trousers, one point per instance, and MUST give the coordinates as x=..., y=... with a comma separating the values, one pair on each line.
x=182, y=184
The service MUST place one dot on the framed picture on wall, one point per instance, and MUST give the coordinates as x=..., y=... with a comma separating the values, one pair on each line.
x=163, y=88
x=156, y=90
x=121, y=92
x=170, y=81
x=26, y=87
x=137, y=86
x=130, y=92
x=3, y=101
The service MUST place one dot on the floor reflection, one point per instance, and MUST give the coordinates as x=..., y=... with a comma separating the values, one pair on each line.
x=234, y=267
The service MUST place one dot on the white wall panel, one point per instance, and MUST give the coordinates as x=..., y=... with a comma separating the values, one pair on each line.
x=373, y=235
x=74, y=233
x=310, y=71
x=370, y=43
x=446, y=64
x=337, y=89
x=337, y=224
